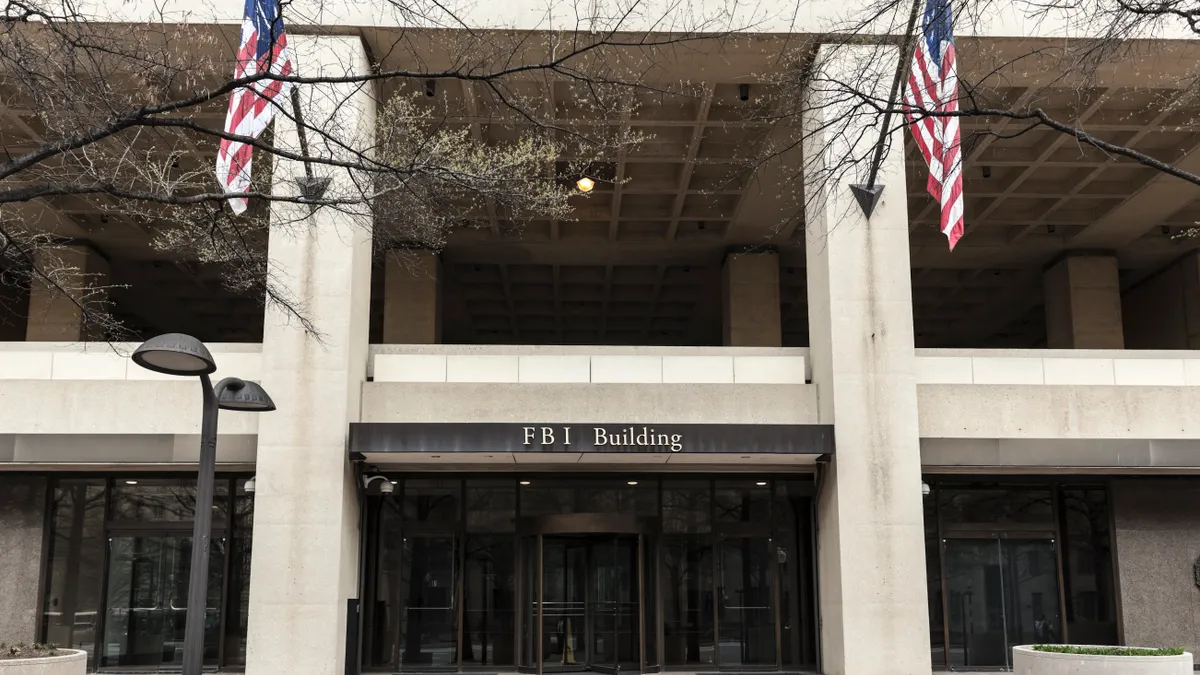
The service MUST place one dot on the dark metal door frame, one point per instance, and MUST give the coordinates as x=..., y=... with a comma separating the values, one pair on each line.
x=586, y=524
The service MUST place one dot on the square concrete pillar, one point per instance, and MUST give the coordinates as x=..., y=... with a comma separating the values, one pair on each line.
x=22, y=519
x=304, y=565
x=750, y=300
x=871, y=540
x=66, y=295
x=1083, y=303
x=412, y=307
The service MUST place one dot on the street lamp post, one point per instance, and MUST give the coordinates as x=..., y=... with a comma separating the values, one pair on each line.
x=185, y=356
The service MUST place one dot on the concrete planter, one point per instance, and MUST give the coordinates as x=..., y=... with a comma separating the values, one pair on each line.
x=1026, y=661
x=68, y=662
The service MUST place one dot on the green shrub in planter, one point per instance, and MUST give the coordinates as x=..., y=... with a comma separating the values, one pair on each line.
x=1107, y=651
x=27, y=651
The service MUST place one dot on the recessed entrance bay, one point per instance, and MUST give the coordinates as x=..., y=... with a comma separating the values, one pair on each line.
x=568, y=573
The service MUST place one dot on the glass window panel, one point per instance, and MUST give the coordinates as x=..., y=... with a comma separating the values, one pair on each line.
x=428, y=626
x=620, y=497
x=650, y=592
x=384, y=613
x=743, y=502
x=999, y=506
x=686, y=507
x=432, y=500
x=238, y=608
x=541, y=500
x=1087, y=567
x=788, y=556
x=746, y=615
x=137, y=499
x=76, y=563
x=491, y=506
x=489, y=601
x=243, y=506
x=530, y=600
x=933, y=572
x=687, y=580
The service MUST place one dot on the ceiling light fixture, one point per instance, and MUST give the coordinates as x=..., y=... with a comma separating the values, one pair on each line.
x=761, y=483
x=524, y=482
x=131, y=482
x=633, y=482
x=585, y=184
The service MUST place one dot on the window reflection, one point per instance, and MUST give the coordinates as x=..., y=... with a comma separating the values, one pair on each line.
x=163, y=500
x=117, y=587
x=1016, y=505
x=1088, y=569
x=75, y=581
x=1001, y=553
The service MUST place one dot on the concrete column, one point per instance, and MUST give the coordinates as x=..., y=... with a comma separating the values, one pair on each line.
x=1163, y=312
x=304, y=565
x=1083, y=303
x=22, y=516
x=412, y=294
x=750, y=300
x=57, y=311
x=870, y=547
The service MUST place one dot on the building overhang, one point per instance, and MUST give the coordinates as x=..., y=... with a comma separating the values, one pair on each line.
x=525, y=445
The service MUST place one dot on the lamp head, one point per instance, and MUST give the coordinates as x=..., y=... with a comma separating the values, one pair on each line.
x=237, y=394
x=175, y=354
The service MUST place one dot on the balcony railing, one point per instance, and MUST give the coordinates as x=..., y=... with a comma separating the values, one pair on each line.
x=587, y=365
x=1059, y=367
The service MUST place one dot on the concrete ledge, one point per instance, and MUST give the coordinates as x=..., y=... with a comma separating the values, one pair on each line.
x=72, y=662
x=1058, y=412
x=110, y=407
x=1132, y=455
x=592, y=402
x=1027, y=661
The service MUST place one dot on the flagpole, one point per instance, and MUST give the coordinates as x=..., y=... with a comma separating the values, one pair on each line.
x=311, y=187
x=868, y=194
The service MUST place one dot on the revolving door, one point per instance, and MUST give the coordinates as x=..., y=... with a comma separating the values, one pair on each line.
x=583, y=589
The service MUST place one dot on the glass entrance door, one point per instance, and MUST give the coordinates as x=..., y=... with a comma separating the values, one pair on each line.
x=147, y=592
x=1000, y=593
x=582, y=607
x=746, y=616
x=614, y=615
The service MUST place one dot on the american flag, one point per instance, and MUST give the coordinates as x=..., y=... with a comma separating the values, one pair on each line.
x=263, y=49
x=933, y=88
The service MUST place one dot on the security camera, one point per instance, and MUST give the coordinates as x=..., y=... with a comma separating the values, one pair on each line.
x=249, y=486
x=386, y=487
x=925, y=489
x=744, y=92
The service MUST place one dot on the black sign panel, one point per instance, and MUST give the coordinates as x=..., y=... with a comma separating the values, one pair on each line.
x=814, y=439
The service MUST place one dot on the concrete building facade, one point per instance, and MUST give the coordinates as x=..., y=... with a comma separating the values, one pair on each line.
x=821, y=446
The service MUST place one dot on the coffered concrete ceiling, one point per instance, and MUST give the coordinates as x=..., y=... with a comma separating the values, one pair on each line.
x=639, y=261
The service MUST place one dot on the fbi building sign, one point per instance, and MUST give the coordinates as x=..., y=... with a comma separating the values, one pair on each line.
x=604, y=437
x=399, y=437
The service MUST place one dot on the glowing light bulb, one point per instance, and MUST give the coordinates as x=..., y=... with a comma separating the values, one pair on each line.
x=585, y=184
